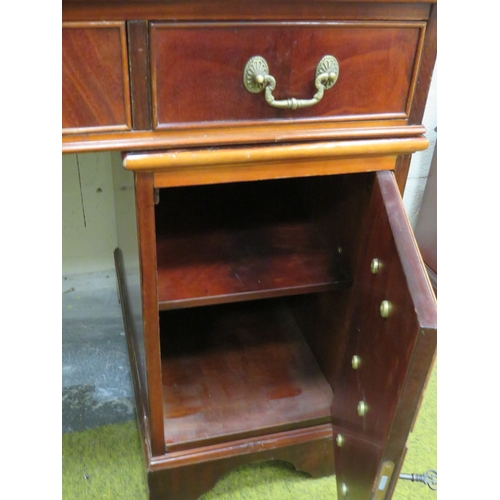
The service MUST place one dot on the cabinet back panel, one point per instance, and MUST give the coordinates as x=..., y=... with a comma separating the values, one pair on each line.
x=246, y=241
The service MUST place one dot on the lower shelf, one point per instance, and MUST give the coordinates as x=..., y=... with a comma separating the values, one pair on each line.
x=237, y=370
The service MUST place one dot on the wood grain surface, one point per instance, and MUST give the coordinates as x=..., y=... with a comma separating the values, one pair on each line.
x=270, y=155
x=147, y=251
x=95, y=79
x=226, y=243
x=244, y=9
x=377, y=66
x=202, y=137
x=187, y=474
x=236, y=371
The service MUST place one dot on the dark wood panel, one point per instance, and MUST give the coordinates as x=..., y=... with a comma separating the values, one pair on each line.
x=401, y=172
x=244, y=9
x=376, y=61
x=138, y=43
x=426, y=70
x=395, y=352
x=147, y=250
x=356, y=466
x=239, y=242
x=235, y=371
x=340, y=205
x=285, y=132
x=384, y=345
x=95, y=81
x=188, y=474
x=127, y=264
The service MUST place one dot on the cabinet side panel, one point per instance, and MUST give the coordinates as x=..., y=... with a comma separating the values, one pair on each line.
x=426, y=69
x=128, y=270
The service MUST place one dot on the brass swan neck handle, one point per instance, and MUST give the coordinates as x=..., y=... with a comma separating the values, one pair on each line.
x=256, y=78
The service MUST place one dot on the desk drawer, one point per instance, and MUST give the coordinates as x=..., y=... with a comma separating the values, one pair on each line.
x=95, y=82
x=197, y=71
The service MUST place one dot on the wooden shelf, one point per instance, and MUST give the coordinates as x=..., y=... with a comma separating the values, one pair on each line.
x=240, y=247
x=235, y=371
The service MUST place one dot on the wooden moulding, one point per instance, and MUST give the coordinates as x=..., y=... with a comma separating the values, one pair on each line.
x=255, y=10
x=186, y=475
x=237, y=134
x=192, y=167
x=182, y=159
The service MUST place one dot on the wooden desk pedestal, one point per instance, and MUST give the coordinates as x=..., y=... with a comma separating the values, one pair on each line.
x=274, y=299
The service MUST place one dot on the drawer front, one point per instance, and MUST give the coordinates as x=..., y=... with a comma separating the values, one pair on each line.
x=197, y=70
x=95, y=82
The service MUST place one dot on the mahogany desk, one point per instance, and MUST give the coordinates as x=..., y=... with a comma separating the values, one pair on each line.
x=275, y=302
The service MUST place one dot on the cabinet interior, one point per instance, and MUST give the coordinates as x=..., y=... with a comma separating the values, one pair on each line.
x=253, y=285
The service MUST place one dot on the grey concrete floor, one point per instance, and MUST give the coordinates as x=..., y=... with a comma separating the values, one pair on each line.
x=97, y=388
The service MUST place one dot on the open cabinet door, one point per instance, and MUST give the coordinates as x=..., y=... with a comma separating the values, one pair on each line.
x=390, y=344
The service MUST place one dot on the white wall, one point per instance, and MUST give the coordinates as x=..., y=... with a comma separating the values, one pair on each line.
x=421, y=161
x=88, y=221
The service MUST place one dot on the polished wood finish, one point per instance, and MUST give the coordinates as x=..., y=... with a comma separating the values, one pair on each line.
x=249, y=289
x=426, y=69
x=236, y=371
x=401, y=171
x=217, y=10
x=260, y=171
x=140, y=85
x=95, y=80
x=149, y=299
x=283, y=132
x=391, y=385
x=186, y=475
x=291, y=153
x=206, y=83
x=228, y=243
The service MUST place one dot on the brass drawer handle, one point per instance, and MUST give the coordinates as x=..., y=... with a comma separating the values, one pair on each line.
x=256, y=78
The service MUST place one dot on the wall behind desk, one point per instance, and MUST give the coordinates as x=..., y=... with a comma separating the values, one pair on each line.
x=88, y=221
x=421, y=161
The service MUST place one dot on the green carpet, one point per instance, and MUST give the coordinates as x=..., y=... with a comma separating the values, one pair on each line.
x=106, y=463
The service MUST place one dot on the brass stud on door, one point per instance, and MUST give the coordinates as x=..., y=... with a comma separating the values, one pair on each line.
x=362, y=408
x=385, y=309
x=340, y=440
x=344, y=489
x=356, y=362
x=375, y=266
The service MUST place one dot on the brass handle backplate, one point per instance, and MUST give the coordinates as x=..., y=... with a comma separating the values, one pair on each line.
x=256, y=78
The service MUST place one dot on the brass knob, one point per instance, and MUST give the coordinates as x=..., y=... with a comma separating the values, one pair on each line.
x=340, y=440
x=362, y=408
x=356, y=362
x=385, y=308
x=344, y=489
